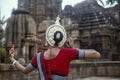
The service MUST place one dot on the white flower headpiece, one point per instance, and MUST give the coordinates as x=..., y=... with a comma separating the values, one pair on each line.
x=56, y=34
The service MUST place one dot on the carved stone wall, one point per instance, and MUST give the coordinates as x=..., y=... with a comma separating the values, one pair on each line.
x=42, y=9
x=91, y=25
x=21, y=31
x=97, y=28
x=41, y=34
x=77, y=71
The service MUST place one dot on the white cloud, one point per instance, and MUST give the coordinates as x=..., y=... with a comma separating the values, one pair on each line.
x=70, y=2
x=6, y=7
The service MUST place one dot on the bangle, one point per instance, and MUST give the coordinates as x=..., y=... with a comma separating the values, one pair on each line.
x=14, y=63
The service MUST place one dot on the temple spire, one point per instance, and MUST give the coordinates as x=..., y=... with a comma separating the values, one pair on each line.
x=57, y=20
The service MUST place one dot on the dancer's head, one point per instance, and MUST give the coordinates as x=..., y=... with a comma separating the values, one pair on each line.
x=56, y=34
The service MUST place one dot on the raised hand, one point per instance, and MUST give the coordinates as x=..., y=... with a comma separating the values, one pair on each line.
x=12, y=52
x=69, y=42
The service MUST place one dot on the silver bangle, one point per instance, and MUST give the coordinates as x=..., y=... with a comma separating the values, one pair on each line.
x=14, y=63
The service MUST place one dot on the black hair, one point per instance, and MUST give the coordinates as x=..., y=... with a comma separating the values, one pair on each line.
x=58, y=36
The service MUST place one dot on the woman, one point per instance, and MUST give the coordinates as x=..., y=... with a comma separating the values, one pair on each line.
x=53, y=64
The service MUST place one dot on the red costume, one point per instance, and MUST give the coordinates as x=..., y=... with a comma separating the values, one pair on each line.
x=60, y=64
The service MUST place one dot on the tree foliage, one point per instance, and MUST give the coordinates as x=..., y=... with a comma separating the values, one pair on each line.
x=2, y=54
x=3, y=21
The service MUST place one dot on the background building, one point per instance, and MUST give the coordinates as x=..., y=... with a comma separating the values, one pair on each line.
x=21, y=31
x=91, y=25
x=42, y=9
x=98, y=28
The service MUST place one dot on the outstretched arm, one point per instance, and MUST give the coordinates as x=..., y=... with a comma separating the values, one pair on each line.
x=83, y=53
x=20, y=67
x=91, y=54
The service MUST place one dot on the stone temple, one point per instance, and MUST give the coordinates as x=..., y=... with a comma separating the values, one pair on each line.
x=21, y=31
x=42, y=9
x=95, y=27
x=91, y=26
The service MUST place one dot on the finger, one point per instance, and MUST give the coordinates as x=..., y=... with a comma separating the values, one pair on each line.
x=67, y=45
x=11, y=51
x=70, y=37
x=70, y=40
x=13, y=45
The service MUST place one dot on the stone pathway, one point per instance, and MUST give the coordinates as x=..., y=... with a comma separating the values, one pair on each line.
x=99, y=78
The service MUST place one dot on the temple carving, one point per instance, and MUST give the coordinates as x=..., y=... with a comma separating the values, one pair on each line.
x=21, y=31
x=95, y=27
x=91, y=26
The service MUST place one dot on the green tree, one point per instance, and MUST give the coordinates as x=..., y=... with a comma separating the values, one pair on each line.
x=2, y=54
x=2, y=32
x=2, y=21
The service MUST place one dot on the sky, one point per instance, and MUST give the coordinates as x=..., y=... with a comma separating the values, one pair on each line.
x=6, y=6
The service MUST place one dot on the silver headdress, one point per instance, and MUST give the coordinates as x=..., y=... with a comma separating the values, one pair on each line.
x=56, y=34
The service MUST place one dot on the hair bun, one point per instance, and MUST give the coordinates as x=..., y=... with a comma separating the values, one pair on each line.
x=56, y=34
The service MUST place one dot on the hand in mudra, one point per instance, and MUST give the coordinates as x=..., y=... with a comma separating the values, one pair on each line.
x=12, y=52
x=69, y=42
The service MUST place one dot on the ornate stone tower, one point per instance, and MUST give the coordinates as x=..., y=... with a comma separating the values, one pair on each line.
x=21, y=30
x=97, y=29
x=41, y=33
x=42, y=9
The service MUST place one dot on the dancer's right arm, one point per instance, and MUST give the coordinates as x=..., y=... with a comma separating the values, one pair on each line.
x=20, y=67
